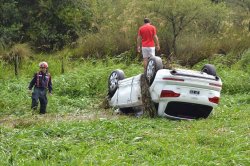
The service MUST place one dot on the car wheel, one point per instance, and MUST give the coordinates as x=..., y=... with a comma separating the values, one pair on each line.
x=114, y=77
x=154, y=64
x=209, y=69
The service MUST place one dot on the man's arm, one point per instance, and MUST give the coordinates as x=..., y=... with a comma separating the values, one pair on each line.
x=50, y=85
x=157, y=44
x=32, y=82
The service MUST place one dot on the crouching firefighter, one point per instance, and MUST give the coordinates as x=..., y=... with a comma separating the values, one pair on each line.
x=42, y=83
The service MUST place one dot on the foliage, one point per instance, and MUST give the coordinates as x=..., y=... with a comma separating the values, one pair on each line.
x=102, y=44
x=116, y=30
x=193, y=49
x=47, y=25
x=86, y=80
x=182, y=15
x=9, y=23
x=192, y=30
x=18, y=53
x=244, y=62
x=23, y=51
x=82, y=83
x=76, y=131
x=230, y=72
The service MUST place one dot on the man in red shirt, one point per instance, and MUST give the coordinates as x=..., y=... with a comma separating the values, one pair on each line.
x=147, y=37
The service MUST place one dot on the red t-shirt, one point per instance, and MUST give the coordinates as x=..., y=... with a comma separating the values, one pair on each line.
x=147, y=32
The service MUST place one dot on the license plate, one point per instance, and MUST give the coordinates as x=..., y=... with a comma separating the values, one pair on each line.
x=194, y=92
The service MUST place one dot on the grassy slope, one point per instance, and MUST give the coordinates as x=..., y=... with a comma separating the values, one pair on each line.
x=78, y=132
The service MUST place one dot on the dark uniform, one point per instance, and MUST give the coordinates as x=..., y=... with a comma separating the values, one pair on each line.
x=42, y=83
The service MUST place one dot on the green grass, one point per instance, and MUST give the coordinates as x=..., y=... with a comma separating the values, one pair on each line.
x=222, y=139
x=77, y=131
x=81, y=84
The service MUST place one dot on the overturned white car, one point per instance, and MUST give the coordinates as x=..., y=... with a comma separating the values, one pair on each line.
x=176, y=93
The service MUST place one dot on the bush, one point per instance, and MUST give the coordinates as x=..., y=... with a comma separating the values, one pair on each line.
x=102, y=44
x=192, y=50
x=235, y=78
x=234, y=42
x=244, y=63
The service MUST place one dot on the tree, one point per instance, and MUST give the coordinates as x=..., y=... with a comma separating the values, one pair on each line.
x=46, y=24
x=244, y=10
x=17, y=54
x=181, y=14
x=10, y=22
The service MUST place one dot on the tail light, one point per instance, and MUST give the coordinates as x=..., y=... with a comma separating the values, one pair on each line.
x=173, y=79
x=217, y=85
x=214, y=100
x=169, y=93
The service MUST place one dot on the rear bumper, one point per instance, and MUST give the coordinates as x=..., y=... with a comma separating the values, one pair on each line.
x=183, y=110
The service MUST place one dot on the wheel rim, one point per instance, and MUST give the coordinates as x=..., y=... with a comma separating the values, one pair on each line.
x=205, y=70
x=150, y=70
x=113, y=81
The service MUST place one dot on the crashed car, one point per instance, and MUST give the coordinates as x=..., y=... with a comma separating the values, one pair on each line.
x=176, y=93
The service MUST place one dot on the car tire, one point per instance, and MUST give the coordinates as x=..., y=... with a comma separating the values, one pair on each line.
x=154, y=64
x=114, y=77
x=209, y=69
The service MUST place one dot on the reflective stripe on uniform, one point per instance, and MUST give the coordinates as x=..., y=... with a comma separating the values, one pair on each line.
x=47, y=76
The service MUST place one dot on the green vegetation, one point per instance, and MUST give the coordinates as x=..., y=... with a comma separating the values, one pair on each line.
x=100, y=28
x=78, y=131
x=83, y=41
x=46, y=25
x=220, y=140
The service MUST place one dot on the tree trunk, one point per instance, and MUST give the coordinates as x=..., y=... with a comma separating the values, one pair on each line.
x=174, y=45
x=175, y=34
x=167, y=45
x=148, y=106
x=62, y=66
x=249, y=26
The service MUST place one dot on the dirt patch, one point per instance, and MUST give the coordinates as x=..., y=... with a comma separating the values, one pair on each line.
x=28, y=120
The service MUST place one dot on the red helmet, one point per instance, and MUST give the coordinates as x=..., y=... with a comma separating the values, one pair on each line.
x=43, y=64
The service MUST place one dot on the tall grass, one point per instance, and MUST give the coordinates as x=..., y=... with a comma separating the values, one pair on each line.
x=235, y=77
x=84, y=83
x=76, y=131
x=194, y=48
x=221, y=139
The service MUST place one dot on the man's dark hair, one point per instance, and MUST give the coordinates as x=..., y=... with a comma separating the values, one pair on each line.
x=146, y=20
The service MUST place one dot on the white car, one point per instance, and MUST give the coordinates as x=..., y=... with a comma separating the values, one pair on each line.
x=176, y=93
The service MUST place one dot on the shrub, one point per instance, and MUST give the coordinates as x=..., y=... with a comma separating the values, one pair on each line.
x=235, y=78
x=101, y=44
x=244, y=62
x=192, y=50
x=17, y=54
